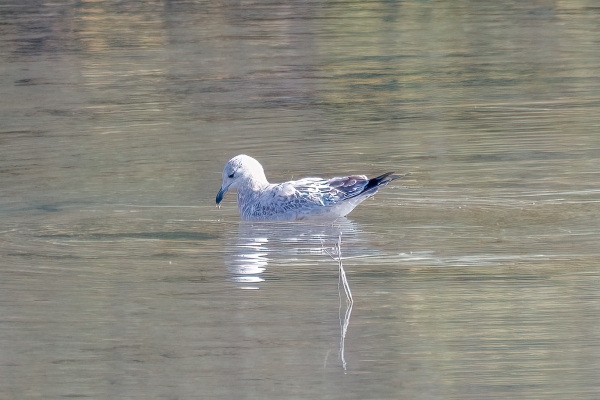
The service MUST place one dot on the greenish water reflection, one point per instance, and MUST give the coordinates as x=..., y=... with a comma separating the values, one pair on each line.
x=475, y=277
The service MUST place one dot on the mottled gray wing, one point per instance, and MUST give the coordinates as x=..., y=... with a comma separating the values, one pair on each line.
x=310, y=193
x=348, y=186
x=327, y=192
x=335, y=189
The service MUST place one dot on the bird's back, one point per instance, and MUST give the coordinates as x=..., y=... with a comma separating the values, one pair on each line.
x=310, y=198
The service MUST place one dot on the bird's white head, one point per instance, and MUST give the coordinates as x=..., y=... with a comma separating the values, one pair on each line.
x=241, y=170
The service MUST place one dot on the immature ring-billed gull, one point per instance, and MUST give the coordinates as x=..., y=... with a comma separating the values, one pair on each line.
x=302, y=199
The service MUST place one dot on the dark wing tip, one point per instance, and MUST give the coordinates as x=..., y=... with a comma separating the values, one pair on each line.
x=355, y=185
x=390, y=176
x=380, y=180
x=382, y=177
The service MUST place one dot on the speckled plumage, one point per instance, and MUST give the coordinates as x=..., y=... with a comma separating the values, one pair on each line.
x=302, y=199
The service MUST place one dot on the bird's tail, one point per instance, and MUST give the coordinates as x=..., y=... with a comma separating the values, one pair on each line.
x=381, y=180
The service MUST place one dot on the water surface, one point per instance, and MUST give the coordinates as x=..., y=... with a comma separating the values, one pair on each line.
x=476, y=276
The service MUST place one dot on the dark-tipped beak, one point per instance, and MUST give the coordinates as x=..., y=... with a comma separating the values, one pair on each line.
x=221, y=194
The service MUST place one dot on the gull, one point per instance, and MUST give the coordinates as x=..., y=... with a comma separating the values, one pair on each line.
x=306, y=198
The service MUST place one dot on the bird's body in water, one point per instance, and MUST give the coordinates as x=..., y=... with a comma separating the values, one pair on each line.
x=302, y=199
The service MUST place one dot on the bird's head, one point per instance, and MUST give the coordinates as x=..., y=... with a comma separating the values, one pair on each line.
x=238, y=171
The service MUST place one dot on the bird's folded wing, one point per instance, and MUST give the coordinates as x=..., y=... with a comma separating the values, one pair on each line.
x=321, y=191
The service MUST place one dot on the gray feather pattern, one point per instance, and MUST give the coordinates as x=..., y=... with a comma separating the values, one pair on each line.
x=299, y=199
x=305, y=198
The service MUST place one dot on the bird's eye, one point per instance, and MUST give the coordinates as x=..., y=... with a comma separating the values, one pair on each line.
x=232, y=174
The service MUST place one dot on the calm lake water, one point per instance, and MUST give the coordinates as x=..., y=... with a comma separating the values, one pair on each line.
x=476, y=276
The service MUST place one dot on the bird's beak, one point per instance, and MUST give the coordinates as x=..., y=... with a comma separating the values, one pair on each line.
x=221, y=194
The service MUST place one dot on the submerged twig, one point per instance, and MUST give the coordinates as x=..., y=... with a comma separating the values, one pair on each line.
x=349, y=299
x=343, y=272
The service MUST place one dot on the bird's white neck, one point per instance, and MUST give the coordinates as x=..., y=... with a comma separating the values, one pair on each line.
x=256, y=182
x=250, y=189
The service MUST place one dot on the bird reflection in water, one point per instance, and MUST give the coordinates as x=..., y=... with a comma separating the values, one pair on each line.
x=248, y=258
x=249, y=262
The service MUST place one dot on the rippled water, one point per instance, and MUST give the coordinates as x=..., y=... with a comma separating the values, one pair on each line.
x=476, y=276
